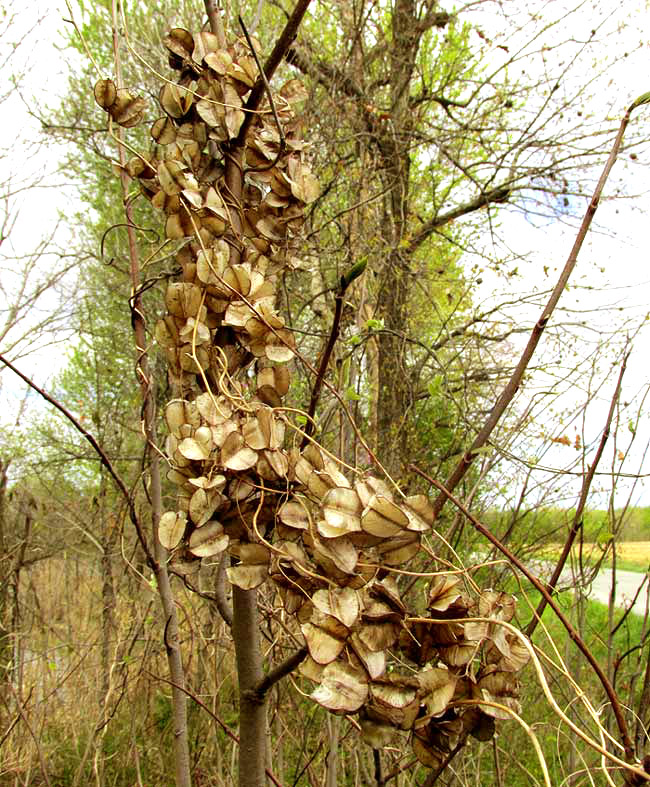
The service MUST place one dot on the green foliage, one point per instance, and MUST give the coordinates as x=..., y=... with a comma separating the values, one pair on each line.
x=549, y=525
x=355, y=271
x=162, y=711
x=66, y=766
x=593, y=622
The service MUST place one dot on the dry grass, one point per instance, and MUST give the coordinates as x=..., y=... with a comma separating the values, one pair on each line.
x=630, y=555
x=58, y=684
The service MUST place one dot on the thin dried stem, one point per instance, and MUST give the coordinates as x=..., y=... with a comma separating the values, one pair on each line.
x=232, y=735
x=35, y=738
x=147, y=390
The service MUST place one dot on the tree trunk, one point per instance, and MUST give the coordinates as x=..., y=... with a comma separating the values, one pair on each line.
x=172, y=635
x=5, y=629
x=333, y=730
x=252, y=709
x=395, y=400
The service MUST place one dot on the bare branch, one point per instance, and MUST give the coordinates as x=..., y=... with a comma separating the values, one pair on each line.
x=279, y=672
x=275, y=58
x=98, y=449
x=324, y=362
x=515, y=381
x=582, y=502
x=495, y=196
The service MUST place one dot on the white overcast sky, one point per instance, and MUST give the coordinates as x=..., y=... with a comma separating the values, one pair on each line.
x=614, y=262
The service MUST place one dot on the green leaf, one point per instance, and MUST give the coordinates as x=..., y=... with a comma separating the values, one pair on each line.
x=434, y=387
x=354, y=273
x=351, y=395
x=375, y=325
x=644, y=98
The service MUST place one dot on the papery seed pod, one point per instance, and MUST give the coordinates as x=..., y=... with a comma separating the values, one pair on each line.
x=105, y=93
x=293, y=519
x=179, y=42
x=204, y=44
x=171, y=527
x=209, y=540
x=176, y=100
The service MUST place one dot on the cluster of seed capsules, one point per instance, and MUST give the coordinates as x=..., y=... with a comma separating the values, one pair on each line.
x=333, y=548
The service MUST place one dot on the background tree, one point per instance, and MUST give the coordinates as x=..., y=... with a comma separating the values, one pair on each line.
x=435, y=120
x=36, y=304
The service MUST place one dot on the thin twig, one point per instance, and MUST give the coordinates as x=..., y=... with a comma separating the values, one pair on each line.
x=315, y=753
x=513, y=384
x=399, y=769
x=630, y=607
x=497, y=766
x=232, y=735
x=584, y=493
x=345, y=281
x=433, y=777
x=41, y=759
x=97, y=448
x=621, y=658
x=322, y=368
x=275, y=58
x=283, y=141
